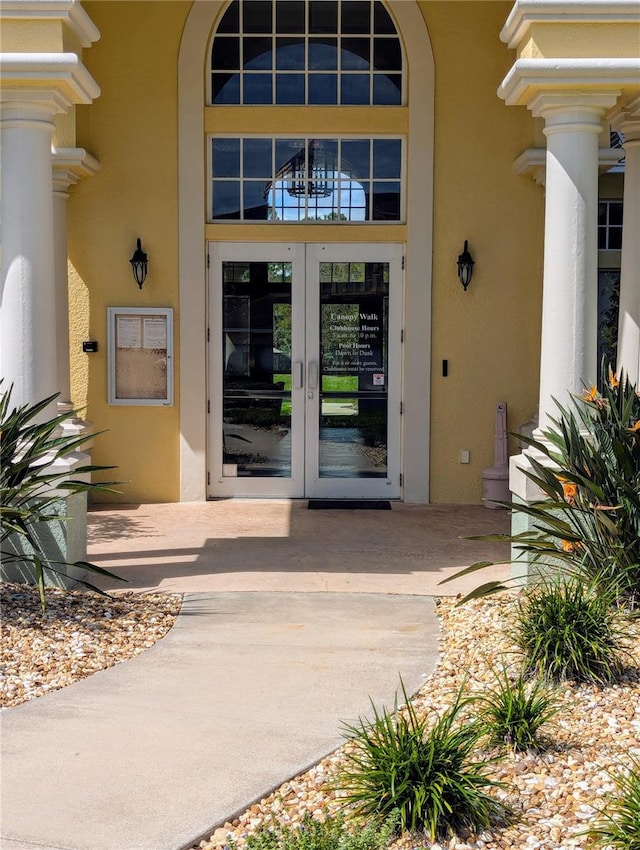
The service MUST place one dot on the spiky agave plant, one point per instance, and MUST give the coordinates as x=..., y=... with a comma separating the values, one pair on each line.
x=30, y=486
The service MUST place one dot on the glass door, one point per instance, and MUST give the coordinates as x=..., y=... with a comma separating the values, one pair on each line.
x=354, y=309
x=256, y=360
x=305, y=373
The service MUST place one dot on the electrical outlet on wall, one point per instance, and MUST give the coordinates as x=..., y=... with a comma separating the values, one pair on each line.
x=465, y=456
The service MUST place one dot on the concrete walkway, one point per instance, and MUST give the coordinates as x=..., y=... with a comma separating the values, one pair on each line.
x=252, y=683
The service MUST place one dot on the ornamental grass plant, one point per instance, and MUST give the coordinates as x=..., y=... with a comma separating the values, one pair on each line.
x=514, y=710
x=569, y=630
x=426, y=776
x=618, y=824
x=331, y=834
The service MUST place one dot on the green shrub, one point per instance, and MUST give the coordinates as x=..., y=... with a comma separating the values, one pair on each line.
x=569, y=630
x=618, y=826
x=426, y=775
x=514, y=710
x=330, y=834
x=30, y=486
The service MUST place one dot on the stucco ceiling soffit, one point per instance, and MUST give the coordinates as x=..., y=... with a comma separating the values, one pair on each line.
x=528, y=77
x=533, y=162
x=525, y=13
x=68, y=12
x=63, y=73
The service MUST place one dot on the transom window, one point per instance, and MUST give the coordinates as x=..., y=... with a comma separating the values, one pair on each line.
x=309, y=179
x=296, y=52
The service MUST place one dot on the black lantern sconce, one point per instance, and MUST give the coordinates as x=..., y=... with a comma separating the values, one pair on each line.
x=465, y=266
x=139, y=265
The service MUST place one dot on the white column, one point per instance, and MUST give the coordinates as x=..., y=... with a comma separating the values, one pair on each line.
x=27, y=323
x=60, y=196
x=627, y=120
x=69, y=166
x=36, y=86
x=568, y=357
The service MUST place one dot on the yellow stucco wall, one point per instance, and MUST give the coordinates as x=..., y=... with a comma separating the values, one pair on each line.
x=585, y=40
x=132, y=130
x=489, y=335
x=24, y=36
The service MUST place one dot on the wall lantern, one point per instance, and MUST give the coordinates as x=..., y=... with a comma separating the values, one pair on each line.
x=465, y=266
x=139, y=265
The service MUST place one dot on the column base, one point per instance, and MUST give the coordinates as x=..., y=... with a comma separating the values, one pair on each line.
x=74, y=427
x=62, y=540
x=524, y=491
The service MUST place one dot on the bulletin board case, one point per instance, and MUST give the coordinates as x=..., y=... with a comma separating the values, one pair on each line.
x=140, y=355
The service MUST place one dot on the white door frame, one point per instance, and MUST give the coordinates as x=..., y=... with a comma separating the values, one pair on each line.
x=305, y=480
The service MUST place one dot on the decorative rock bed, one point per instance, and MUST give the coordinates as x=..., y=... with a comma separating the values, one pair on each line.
x=78, y=634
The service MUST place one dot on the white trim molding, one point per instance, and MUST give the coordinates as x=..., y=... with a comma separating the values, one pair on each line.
x=528, y=12
x=69, y=12
x=527, y=76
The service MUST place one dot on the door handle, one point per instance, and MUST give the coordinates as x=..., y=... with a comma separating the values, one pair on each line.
x=298, y=375
x=312, y=375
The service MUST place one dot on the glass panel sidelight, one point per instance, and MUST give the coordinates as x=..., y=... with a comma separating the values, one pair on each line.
x=256, y=358
x=354, y=318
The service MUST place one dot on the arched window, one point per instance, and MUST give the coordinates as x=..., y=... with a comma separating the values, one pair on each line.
x=306, y=52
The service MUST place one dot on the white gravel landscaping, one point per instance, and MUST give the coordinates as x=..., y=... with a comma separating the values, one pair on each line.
x=78, y=634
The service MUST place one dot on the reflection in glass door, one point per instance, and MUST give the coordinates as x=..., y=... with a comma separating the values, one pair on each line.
x=305, y=371
x=354, y=310
x=256, y=395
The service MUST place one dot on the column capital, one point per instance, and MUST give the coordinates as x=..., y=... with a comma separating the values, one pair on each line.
x=69, y=166
x=626, y=118
x=572, y=111
x=55, y=81
x=532, y=162
x=572, y=106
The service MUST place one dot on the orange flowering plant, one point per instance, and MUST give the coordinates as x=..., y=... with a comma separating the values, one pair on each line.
x=588, y=467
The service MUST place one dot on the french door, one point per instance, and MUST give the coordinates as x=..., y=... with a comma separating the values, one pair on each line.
x=305, y=370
